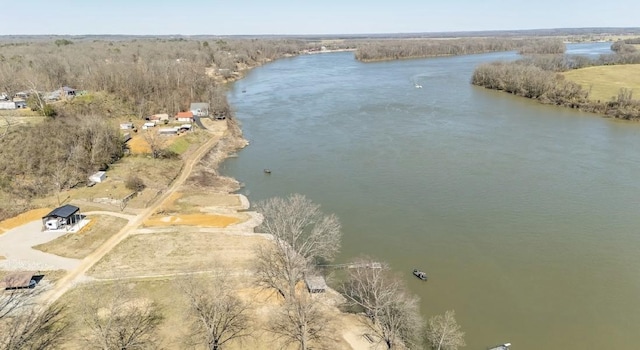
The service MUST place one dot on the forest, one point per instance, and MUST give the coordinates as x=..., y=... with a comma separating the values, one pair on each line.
x=537, y=77
x=115, y=79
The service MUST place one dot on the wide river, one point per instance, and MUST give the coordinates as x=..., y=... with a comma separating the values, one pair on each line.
x=524, y=216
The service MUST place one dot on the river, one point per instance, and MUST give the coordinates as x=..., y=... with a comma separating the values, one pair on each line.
x=524, y=216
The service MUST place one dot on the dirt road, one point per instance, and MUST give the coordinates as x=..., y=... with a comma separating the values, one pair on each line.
x=69, y=280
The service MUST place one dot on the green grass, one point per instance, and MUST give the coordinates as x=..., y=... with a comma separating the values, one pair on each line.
x=604, y=82
x=180, y=145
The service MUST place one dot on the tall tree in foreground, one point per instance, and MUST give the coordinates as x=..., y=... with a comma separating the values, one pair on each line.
x=392, y=313
x=302, y=234
x=300, y=321
x=26, y=325
x=444, y=333
x=217, y=316
x=116, y=320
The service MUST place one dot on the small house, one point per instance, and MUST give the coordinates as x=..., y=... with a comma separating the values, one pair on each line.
x=126, y=126
x=168, y=131
x=148, y=125
x=65, y=216
x=159, y=118
x=21, y=104
x=22, y=95
x=185, y=127
x=200, y=109
x=98, y=177
x=67, y=91
x=315, y=284
x=185, y=117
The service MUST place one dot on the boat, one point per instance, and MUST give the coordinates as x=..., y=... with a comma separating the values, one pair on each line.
x=504, y=346
x=420, y=274
x=267, y=171
x=418, y=86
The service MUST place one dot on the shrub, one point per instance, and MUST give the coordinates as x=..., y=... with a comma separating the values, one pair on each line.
x=134, y=183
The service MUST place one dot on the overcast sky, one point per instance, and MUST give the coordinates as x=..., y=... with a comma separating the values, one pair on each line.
x=229, y=17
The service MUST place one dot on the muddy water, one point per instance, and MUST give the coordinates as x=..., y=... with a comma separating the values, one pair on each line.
x=524, y=216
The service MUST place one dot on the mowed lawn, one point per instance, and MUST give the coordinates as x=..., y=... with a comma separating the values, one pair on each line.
x=604, y=82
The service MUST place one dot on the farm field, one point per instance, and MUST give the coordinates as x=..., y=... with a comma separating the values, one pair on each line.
x=604, y=82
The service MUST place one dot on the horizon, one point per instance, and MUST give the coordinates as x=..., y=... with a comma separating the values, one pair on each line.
x=290, y=18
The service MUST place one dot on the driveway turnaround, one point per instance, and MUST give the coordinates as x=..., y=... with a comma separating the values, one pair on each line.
x=16, y=246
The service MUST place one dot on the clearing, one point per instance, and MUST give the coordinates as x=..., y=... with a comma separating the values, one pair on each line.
x=23, y=218
x=166, y=253
x=604, y=82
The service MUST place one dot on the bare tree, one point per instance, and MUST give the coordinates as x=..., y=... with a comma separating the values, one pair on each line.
x=217, y=316
x=301, y=321
x=444, y=333
x=115, y=320
x=302, y=235
x=155, y=141
x=392, y=313
x=24, y=324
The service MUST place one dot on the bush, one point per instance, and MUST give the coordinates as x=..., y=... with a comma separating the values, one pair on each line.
x=134, y=183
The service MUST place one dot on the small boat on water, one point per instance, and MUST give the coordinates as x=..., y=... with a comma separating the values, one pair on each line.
x=504, y=346
x=420, y=274
x=267, y=171
x=418, y=86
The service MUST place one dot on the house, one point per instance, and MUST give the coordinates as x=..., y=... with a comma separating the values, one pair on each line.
x=126, y=137
x=21, y=104
x=315, y=284
x=168, y=131
x=67, y=91
x=22, y=95
x=200, y=109
x=126, y=126
x=98, y=177
x=4, y=97
x=184, y=117
x=159, y=118
x=65, y=216
x=20, y=280
x=185, y=127
x=148, y=125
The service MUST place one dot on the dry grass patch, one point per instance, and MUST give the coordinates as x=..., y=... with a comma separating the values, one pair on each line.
x=604, y=82
x=23, y=218
x=211, y=200
x=201, y=220
x=177, y=252
x=80, y=244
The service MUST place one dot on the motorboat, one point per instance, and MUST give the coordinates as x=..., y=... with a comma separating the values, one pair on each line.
x=420, y=274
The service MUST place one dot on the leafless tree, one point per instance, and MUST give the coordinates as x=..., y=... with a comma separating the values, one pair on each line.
x=302, y=235
x=392, y=313
x=115, y=320
x=24, y=324
x=444, y=333
x=300, y=321
x=155, y=141
x=217, y=316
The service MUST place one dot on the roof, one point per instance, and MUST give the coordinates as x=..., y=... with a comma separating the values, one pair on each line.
x=199, y=105
x=64, y=211
x=315, y=283
x=17, y=280
x=161, y=116
x=184, y=115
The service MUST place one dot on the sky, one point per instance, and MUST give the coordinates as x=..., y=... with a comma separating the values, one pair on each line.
x=289, y=17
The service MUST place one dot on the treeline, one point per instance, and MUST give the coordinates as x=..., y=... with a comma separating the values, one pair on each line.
x=626, y=45
x=148, y=76
x=417, y=48
x=538, y=78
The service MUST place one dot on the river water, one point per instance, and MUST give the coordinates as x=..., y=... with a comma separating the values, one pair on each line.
x=524, y=216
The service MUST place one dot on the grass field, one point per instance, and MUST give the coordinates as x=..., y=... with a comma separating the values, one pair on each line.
x=604, y=82
x=79, y=245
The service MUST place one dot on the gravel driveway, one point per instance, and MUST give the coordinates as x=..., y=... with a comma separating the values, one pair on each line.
x=15, y=246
